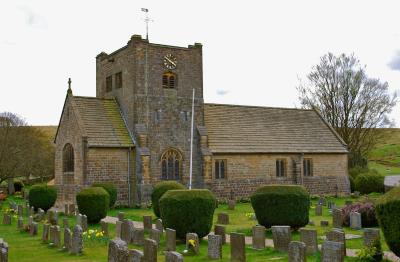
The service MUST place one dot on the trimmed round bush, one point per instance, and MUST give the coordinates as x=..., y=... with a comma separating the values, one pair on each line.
x=93, y=202
x=158, y=192
x=111, y=190
x=18, y=185
x=369, y=183
x=367, y=211
x=281, y=205
x=188, y=211
x=388, y=213
x=42, y=196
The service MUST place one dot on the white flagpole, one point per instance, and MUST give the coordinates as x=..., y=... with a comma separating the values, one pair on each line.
x=191, y=145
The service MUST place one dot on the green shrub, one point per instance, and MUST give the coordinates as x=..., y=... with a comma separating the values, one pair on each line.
x=18, y=185
x=111, y=190
x=281, y=205
x=159, y=191
x=42, y=196
x=369, y=183
x=352, y=186
x=93, y=202
x=357, y=170
x=388, y=212
x=188, y=211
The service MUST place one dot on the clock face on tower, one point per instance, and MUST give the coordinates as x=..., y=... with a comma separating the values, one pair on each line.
x=170, y=61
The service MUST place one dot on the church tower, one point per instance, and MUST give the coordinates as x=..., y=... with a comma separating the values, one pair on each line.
x=153, y=85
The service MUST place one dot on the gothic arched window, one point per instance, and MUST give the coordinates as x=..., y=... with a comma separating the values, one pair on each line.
x=171, y=162
x=68, y=158
x=169, y=80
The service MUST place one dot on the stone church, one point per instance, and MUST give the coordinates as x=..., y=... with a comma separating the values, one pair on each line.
x=136, y=133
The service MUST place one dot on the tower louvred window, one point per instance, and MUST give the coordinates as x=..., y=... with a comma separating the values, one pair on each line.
x=169, y=80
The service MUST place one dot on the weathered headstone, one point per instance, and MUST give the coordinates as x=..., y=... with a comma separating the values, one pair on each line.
x=332, y=252
x=370, y=235
x=138, y=236
x=147, y=223
x=281, y=236
x=238, y=250
x=170, y=244
x=337, y=235
x=20, y=222
x=223, y=218
x=214, y=246
x=126, y=230
x=337, y=219
x=155, y=234
x=45, y=232
x=84, y=223
x=159, y=225
x=33, y=229
x=20, y=210
x=79, y=219
x=77, y=240
x=53, y=217
x=318, y=210
x=172, y=256
x=309, y=237
x=121, y=216
x=67, y=239
x=3, y=251
x=104, y=228
x=324, y=223
x=258, y=237
x=117, y=250
x=355, y=220
x=65, y=222
x=150, y=250
x=220, y=230
x=118, y=225
x=297, y=252
x=57, y=236
x=135, y=255
x=52, y=230
x=7, y=219
x=30, y=220
x=194, y=238
x=231, y=204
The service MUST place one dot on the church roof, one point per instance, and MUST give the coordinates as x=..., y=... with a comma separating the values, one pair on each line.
x=102, y=122
x=252, y=129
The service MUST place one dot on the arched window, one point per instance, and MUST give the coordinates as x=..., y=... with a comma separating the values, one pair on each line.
x=68, y=158
x=171, y=162
x=169, y=80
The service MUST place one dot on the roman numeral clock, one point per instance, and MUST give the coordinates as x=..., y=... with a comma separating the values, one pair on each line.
x=170, y=61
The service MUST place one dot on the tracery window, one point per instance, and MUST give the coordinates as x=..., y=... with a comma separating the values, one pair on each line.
x=68, y=158
x=169, y=80
x=171, y=162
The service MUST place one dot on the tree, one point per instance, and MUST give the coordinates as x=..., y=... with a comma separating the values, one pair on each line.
x=350, y=101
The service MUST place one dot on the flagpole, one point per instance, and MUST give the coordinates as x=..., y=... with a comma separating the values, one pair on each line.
x=191, y=145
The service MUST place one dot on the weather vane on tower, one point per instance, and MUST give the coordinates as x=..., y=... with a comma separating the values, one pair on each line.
x=147, y=19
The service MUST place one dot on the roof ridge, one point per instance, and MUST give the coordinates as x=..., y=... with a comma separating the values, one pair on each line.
x=252, y=106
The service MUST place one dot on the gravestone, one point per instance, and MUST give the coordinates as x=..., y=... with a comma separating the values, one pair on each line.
x=318, y=210
x=71, y=209
x=53, y=217
x=79, y=219
x=150, y=250
x=32, y=211
x=57, y=236
x=223, y=218
x=121, y=216
x=155, y=234
x=370, y=235
x=159, y=225
x=33, y=229
x=337, y=219
x=45, y=232
x=258, y=237
x=214, y=246
x=118, y=225
x=117, y=250
x=65, y=222
x=322, y=201
x=297, y=252
x=104, y=228
x=30, y=220
x=337, y=235
x=20, y=222
x=135, y=255
x=238, y=250
x=324, y=223
x=220, y=230
x=356, y=193
x=77, y=240
x=231, y=204
x=332, y=252
x=7, y=219
x=40, y=215
x=20, y=210
x=3, y=251
x=147, y=223
x=52, y=234
x=84, y=223
x=170, y=244
x=281, y=236
x=66, y=209
x=355, y=220
x=126, y=230
x=172, y=256
x=138, y=236
x=309, y=237
x=67, y=239
x=194, y=237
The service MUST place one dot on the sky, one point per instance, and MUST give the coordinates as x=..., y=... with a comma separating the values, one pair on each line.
x=254, y=52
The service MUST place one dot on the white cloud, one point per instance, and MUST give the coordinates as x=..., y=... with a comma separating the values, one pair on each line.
x=394, y=64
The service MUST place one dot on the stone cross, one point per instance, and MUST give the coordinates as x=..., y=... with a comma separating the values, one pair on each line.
x=45, y=232
x=214, y=246
x=337, y=235
x=220, y=230
x=223, y=218
x=67, y=239
x=117, y=250
x=147, y=223
x=135, y=255
x=258, y=237
x=297, y=252
x=309, y=237
x=170, y=244
x=370, y=235
x=172, y=256
x=104, y=228
x=318, y=210
x=238, y=249
x=332, y=251
x=126, y=230
x=155, y=234
x=138, y=236
x=355, y=220
x=150, y=250
x=77, y=240
x=195, y=238
x=281, y=237
x=159, y=225
x=337, y=220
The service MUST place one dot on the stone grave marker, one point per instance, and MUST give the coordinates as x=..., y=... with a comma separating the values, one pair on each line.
x=57, y=236
x=337, y=235
x=32, y=211
x=281, y=237
x=318, y=210
x=214, y=246
x=147, y=223
x=138, y=236
x=135, y=255
x=3, y=251
x=118, y=225
x=355, y=220
x=121, y=216
x=150, y=250
x=67, y=239
x=104, y=228
x=20, y=223
x=223, y=218
x=172, y=256
x=159, y=225
x=297, y=252
x=370, y=235
x=45, y=232
x=77, y=240
x=155, y=234
x=65, y=222
x=193, y=237
x=322, y=201
x=170, y=244
x=309, y=237
x=337, y=220
x=220, y=230
x=332, y=251
x=84, y=223
x=52, y=234
x=126, y=230
x=33, y=229
x=117, y=250
x=20, y=210
x=238, y=249
x=258, y=237
x=231, y=204
x=324, y=223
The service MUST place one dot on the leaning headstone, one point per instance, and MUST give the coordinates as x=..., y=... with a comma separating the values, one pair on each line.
x=355, y=220
x=84, y=223
x=337, y=220
x=67, y=239
x=223, y=218
x=77, y=240
x=150, y=250
x=318, y=210
x=45, y=232
x=138, y=236
x=20, y=222
x=33, y=229
x=147, y=223
x=57, y=236
x=155, y=234
x=332, y=252
x=172, y=256
x=337, y=235
x=126, y=230
x=324, y=223
x=231, y=204
x=7, y=219
x=117, y=250
x=220, y=230
x=258, y=237
x=196, y=246
x=170, y=244
x=214, y=246
x=281, y=237
x=135, y=255
x=238, y=250
x=370, y=235
x=118, y=225
x=309, y=237
x=159, y=225
x=121, y=216
x=297, y=252
x=65, y=222
x=20, y=210
x=104, y=228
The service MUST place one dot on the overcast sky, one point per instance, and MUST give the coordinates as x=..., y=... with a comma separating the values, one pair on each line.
x=254, y=52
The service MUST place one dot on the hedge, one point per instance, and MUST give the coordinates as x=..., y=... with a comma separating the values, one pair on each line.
x=388, y=214
x=42, y=196
x=281, y=205
x=93, y=202
x=158, y=192
x=369, y=183
x=188, y=211
x=111, y=190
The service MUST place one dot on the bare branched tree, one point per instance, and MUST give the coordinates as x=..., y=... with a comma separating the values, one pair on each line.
x=352, y=103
